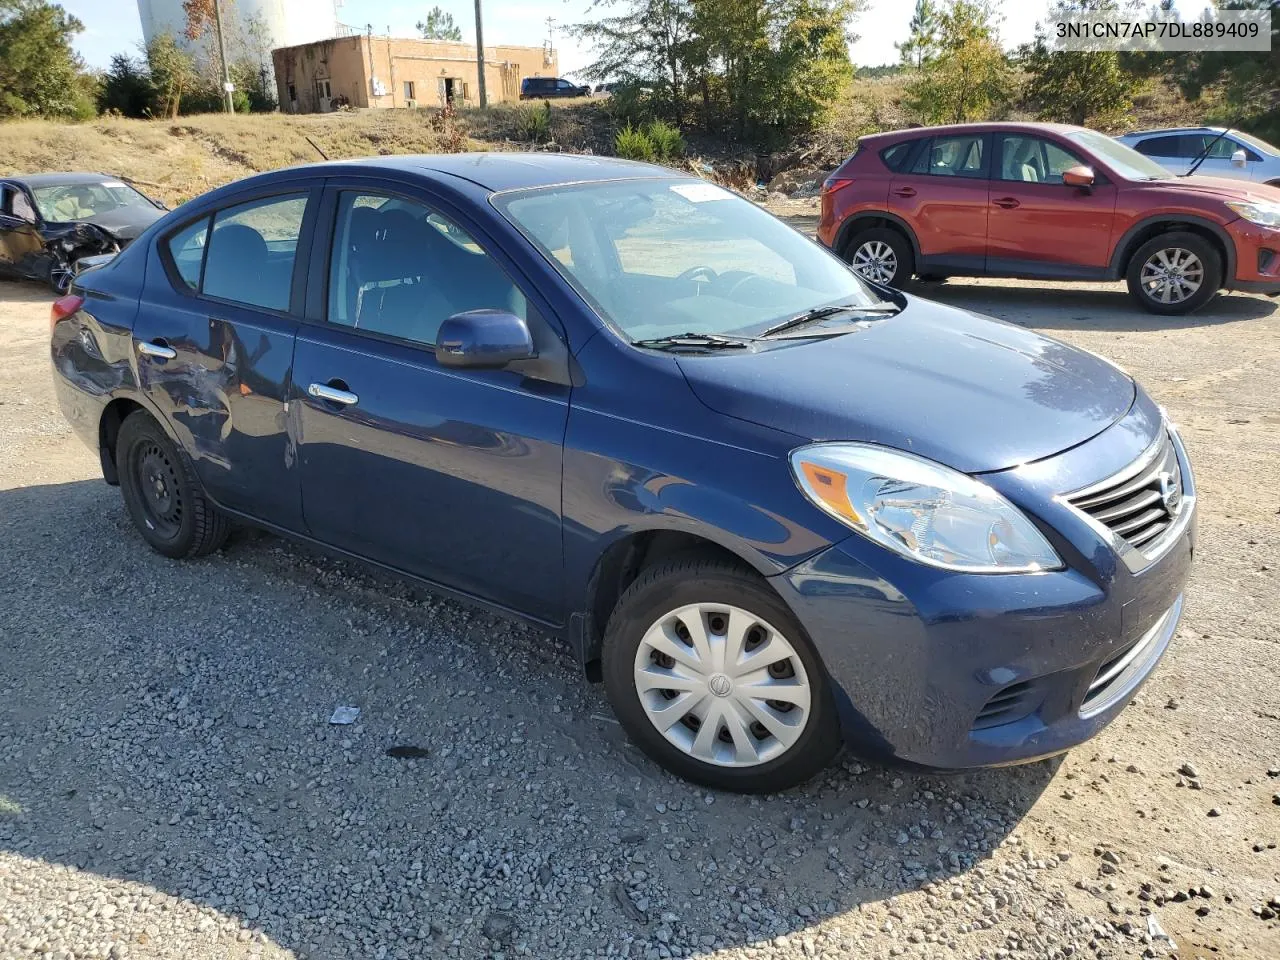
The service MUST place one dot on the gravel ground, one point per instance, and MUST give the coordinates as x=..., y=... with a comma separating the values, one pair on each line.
x=170, y=785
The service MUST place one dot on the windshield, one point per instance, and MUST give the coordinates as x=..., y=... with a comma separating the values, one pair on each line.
x=1124, y=160
x=662, y=257
x=83, y=201
x=1254, y=142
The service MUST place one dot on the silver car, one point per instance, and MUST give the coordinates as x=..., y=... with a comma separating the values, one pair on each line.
x=1237, y=155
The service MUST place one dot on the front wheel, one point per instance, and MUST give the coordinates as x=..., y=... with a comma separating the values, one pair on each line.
x=1175, y=273
x=881, y=255
x=60, y=275
x=713, y=677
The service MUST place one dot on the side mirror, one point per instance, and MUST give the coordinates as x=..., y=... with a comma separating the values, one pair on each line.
x=1080, y=176
x=483, y=338
x=1239, y=158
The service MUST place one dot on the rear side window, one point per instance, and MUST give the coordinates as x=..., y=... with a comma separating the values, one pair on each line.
x=1171, y=147
x=959, y=156
x=186, y=250
x=252, y=249
x=895, y=157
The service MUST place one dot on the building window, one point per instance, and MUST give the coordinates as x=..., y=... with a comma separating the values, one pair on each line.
x=466, y=90
x=293, y=92
x=408, y=90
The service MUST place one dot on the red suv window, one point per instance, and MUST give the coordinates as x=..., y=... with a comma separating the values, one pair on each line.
x=959, y=156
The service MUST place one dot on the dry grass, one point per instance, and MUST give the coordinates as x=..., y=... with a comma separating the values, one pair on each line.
x=177, y=160
x=181, y=159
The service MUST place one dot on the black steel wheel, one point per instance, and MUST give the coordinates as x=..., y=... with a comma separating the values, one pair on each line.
x=162, y=493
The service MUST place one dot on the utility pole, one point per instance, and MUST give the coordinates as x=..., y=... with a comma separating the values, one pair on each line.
x=484, y=99
x=222, y=55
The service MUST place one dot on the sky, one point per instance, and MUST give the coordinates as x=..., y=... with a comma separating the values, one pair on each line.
x=112, y=26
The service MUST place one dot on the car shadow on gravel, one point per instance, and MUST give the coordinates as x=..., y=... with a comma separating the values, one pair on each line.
x=1084, y=308
x=164, y=733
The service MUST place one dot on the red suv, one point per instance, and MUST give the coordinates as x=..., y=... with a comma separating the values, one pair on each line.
x=1047, y=202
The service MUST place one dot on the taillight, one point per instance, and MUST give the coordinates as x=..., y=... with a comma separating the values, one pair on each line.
x=834, y=183
x=64, y=307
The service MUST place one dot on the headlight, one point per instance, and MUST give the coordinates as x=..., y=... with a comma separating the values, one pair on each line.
x=921, y=509
x=1261, y=212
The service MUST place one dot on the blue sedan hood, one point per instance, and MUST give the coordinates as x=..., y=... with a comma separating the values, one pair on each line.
x=973, y=393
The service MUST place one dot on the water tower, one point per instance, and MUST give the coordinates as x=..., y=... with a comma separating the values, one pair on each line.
x=260, y=25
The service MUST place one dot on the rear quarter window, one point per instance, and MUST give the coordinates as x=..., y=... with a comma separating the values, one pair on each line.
x=186, y=252
x=895, y=157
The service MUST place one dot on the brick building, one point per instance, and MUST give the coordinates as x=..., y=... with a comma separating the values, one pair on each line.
x=372, y=71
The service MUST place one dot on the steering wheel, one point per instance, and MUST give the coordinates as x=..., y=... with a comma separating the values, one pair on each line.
x=693, y=273
x=736, y=279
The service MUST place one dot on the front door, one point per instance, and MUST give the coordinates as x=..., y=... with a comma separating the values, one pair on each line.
x=944, y=198
x=1039, y=226
x=452, y=475
x=214, y=342
x=22, y=251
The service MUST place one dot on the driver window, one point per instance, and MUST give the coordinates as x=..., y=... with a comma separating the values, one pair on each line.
x=16, y=204
x=401, y=269
x=1034, y=160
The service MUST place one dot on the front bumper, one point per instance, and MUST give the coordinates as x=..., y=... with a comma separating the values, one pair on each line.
x=1257, y=258
x=955, y=671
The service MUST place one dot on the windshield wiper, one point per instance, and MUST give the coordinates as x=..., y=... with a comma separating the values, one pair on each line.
x=710, y=341
x=822, y=313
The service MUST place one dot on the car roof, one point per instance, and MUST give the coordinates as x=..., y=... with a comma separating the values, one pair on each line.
x=58, y=179
x=1164, y=131
x=961, y=128
x=492, y=171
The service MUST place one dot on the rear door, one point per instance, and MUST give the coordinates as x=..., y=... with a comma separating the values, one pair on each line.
x=1038, y=225
x=1173, y=151
x=449, y=474
x=943, y=196
x=214, y=342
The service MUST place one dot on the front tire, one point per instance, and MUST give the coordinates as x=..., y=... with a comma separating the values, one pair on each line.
x=881, y=255
x=60, y=275
x=1174, y=273
x=714, y=678
x=162, y=494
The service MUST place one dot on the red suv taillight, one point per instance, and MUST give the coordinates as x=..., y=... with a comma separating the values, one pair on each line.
x=835, y=182
x=64, y=307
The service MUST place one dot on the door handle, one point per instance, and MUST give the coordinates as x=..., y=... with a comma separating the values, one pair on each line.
x=323, y=391
x=1007, y=202
x=157, y=349
x=905, y=192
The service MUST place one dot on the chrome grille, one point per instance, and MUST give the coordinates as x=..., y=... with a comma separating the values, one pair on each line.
x=1141, y=502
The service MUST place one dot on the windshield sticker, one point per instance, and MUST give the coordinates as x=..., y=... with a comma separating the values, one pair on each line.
x=700, y=192
x=113, y=183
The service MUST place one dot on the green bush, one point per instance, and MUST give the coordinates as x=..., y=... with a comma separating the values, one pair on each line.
x=668, y=144
x=633, y=144
x=533, y=123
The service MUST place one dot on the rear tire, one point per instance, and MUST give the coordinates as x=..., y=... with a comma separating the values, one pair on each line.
x=1174, y=273
x=882, y=255
x=162, y=494
x=724, y=601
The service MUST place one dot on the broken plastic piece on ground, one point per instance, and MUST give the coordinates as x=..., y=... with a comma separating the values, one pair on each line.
x=1157, y=932
x=344, y=715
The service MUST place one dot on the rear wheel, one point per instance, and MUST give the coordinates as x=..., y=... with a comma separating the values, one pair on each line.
x=162, y=494
x=881, y=255
x=1175, y=273
x=713, y=677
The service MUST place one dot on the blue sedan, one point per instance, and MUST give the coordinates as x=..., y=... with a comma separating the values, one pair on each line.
x=772, y=506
